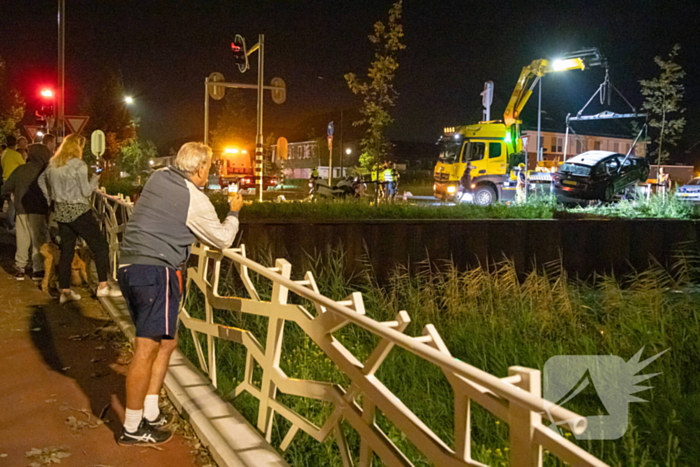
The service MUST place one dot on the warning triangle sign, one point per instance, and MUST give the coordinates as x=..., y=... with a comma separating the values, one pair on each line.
x=32, y=130
x=75, y=123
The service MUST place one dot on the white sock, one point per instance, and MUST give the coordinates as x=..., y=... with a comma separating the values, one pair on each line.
x=132, y=420
x=150, y=407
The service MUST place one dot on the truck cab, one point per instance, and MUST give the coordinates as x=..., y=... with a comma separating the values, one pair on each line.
x=236, y=166
x=486, y=146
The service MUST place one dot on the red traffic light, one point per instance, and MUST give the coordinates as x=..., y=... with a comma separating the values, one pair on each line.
x=240, y=53
x=47, y=93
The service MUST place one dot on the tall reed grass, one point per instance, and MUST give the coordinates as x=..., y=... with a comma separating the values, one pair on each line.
x=491, y=318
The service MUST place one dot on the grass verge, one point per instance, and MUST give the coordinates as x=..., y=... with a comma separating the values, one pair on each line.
x=492, y=320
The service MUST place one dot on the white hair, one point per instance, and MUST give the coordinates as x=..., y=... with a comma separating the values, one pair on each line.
x=192, y=156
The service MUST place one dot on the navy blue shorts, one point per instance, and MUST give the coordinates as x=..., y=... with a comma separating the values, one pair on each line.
x=152, y=294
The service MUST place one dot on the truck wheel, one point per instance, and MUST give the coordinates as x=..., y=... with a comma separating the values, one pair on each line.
x=484, y=195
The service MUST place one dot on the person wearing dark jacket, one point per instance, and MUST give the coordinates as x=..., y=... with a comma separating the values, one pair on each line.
x=32, y=210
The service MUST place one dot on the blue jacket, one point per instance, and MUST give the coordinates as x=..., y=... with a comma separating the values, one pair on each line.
x=170, y=215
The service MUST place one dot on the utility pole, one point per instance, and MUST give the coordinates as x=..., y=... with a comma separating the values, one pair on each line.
x=60, y=107
x=341, y=148
x=206, y=111
x=259, y=131
x=539, y=120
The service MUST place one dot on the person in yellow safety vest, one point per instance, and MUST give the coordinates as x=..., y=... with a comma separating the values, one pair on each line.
x=389, y=180
x=375, y=179
x=314, y=173
x=520, y=184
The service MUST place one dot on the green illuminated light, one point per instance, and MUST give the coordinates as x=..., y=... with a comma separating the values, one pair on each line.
x=508, y=139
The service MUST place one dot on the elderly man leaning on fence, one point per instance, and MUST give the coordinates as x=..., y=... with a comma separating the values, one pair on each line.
x=172, y=213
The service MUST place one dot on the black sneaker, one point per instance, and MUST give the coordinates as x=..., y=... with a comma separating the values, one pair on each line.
x=19, y=275
x=38, y=276
x=145, y=435
x=161, y=422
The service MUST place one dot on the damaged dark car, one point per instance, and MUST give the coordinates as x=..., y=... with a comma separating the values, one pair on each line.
x=598, y=175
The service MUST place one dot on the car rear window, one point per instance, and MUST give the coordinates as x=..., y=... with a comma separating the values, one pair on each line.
x=575, y=169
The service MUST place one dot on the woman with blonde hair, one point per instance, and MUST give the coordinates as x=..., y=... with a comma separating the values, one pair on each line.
x=65, y=182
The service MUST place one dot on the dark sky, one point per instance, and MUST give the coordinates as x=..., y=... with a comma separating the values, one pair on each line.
x=164, y=50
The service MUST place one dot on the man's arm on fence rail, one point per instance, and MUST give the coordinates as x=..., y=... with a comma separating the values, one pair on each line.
x=204, y=223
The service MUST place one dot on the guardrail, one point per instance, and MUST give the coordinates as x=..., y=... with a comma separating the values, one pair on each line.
x=515, y=399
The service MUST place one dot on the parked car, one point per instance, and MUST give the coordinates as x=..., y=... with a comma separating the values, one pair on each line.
x=598, y=175
x=690, y=191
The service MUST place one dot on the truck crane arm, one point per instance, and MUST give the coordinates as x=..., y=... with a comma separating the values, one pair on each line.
x=531, y=74
x=529, y=78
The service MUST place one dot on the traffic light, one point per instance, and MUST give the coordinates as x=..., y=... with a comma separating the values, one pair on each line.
x=240, y=53
x=46, y=108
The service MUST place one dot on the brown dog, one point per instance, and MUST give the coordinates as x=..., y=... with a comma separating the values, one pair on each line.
x=52, y=253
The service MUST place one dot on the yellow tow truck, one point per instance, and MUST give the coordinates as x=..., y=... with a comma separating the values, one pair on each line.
x=494, y=148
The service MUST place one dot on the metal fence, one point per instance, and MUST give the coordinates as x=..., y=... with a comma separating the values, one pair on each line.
x=515, y=399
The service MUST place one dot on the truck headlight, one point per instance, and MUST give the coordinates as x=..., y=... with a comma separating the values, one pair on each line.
x=452, y=189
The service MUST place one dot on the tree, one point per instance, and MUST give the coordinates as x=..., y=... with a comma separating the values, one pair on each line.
x=663, y=96
x=378, y=89
x=108, y=112
x=11, y=105
x=235, y=124
x=136, y=155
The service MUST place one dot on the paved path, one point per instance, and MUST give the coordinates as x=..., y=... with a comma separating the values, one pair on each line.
x=62, y=362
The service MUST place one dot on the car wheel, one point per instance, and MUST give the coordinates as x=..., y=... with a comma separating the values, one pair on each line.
x=645, y=176
x=484, y=195
x=609, y=193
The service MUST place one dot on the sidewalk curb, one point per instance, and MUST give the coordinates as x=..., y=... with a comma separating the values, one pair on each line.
x=231, y=440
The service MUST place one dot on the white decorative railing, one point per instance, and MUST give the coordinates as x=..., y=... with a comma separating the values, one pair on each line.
x=515, y=399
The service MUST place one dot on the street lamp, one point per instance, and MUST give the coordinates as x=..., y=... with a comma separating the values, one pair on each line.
x=39, y=133
x=348, y=151
x=129, y=100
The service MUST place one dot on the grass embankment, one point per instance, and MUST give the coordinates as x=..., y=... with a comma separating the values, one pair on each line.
x=535, y=208
x=490, y=319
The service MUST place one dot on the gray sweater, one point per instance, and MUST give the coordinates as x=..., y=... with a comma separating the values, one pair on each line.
x=69, y=183
x=170, y=215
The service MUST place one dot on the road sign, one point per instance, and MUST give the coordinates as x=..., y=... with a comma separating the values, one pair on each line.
x=97, y=143
x=75, y=123
x=487, y=94
x=279, y=95
x=32, y=130
x=282, y=148
x=216, y=92
x=330, y=129
x=487, y=99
